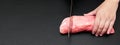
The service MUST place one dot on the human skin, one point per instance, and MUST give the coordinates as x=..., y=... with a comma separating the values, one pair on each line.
x=105, y=17
x=78, y=24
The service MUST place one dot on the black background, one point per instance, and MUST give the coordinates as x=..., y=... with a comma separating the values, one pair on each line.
x=36, y=22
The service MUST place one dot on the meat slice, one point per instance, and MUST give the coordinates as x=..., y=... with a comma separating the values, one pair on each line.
x=79, y=24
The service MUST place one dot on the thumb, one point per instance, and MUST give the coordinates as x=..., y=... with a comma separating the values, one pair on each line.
x=92, y=13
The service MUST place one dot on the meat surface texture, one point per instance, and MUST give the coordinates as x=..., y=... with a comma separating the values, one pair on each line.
x=79, y=24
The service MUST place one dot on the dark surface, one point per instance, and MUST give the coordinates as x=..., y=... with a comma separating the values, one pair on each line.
x=36, y=22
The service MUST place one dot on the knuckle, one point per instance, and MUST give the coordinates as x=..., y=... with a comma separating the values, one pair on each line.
x=99, y=31
x=108, y=20
x=103, y=31
x=110, y=28
x=111, y=18
x=100, y=28
x=105, y=28
x=94, y=30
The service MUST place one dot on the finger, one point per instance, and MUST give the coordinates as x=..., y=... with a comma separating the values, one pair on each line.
x=96, y=24
x=105, y=28
x=100, y=28
x=111, y=26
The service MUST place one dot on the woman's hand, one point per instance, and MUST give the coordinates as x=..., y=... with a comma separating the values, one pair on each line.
x=105, y=17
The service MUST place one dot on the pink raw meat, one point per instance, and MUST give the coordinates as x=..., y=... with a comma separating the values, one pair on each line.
x=79, y=24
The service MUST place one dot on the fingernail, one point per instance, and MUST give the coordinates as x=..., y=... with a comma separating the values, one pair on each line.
x=100, y=34
x=108, y=33
x=96, y=35
x=92, y=32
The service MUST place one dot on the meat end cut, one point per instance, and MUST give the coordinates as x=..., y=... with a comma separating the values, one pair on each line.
x=79, y=24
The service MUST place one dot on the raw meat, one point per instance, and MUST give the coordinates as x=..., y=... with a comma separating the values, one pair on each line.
x=79, y=24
